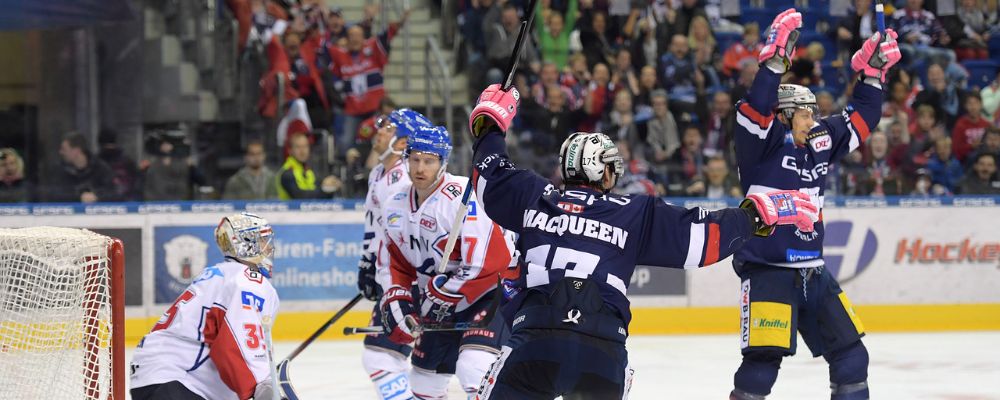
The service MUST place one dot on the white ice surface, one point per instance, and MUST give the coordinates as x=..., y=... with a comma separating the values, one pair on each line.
x=912, y=366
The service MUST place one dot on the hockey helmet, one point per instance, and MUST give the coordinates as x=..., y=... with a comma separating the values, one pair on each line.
x=584, y=156
x=406, y=122
x=248, y=238
x=792, y=97
x=430, y=139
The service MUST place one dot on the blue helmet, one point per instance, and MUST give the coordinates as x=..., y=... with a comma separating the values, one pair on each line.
x=406, y=121
x=430, y=139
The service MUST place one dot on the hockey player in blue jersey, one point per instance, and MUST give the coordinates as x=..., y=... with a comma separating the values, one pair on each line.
x=781, y=145
x=579, y=248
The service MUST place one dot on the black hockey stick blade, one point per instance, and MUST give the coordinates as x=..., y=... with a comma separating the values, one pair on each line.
x=334, y=318
x=522, y=36
x=444, y=326
x=285, y=381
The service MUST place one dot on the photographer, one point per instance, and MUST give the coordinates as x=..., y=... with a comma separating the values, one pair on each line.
x=172, y=172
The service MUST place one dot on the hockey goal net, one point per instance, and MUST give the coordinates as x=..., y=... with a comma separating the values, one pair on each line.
x=61, y=314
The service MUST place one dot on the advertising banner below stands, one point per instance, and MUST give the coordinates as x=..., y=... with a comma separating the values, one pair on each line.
x=311, y=262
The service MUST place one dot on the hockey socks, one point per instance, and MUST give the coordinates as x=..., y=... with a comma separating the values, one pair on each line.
x=389, y=373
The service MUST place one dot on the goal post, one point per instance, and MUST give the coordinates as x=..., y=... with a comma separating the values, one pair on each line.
x=61, y=314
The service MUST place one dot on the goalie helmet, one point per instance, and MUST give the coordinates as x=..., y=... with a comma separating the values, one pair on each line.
x=793, y=97
x=584, y=156
x=248, y=238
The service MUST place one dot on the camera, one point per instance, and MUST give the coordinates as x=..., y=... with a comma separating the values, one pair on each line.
x=180, y=144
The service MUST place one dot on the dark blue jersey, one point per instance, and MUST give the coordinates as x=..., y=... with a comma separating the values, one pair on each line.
x=768, y=160
x=583, y=233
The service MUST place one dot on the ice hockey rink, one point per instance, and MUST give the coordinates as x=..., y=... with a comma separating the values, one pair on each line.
x=912, y=366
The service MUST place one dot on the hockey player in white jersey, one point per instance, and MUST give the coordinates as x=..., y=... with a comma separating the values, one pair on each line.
x=416, y=223
x=384, y=360
x=210, y=343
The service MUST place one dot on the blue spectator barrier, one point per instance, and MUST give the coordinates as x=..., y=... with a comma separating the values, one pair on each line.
x=994, y=47
x=761, y=16
x=981, y=72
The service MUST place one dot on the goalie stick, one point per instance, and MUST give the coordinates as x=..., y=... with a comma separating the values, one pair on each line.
x=443, y=326
x=522, y=36
x=284, y=378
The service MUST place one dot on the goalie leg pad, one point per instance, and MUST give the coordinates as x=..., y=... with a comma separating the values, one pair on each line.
x=849, y=372
x=388, y=371
x=428, y=385
x=472, y=366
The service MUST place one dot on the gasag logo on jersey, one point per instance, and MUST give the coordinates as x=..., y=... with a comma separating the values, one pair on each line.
x=185, y=256
x=808, y=175
x=570, y=207
x=251, y=301
x=429, y=223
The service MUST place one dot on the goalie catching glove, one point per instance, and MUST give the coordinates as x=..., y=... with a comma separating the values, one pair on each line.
x=876, y=56
x=780, y=45
x=782, y=207
x=399, y=317
x=495, y=107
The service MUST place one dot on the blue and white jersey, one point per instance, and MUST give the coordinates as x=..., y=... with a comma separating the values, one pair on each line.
x=583, y=233
x=382, y=184
x=769, y=160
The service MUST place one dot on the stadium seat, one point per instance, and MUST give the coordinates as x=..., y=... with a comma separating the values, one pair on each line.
x=834, y=79
x=807, y=37
x=725, y=39
x=981, y=72
x=994, y=47
x=762, y=17
x=777, y=6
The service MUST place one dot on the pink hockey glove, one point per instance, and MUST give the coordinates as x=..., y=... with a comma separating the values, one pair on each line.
x=876, y=56
x=495, y=106
x=399, y=318
x=781, y=38
x=782, y=207
x=439, y=304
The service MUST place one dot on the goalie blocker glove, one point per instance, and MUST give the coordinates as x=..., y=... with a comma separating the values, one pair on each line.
x=495, y=107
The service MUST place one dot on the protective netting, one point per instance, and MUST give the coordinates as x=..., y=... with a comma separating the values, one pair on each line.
x=55, y=314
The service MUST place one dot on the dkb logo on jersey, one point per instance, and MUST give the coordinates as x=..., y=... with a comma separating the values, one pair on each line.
x=848, y=251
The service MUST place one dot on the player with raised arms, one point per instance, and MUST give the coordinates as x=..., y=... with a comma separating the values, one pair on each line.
x=570, y=313
x=210, y=344
x=384, y=360
x=781, y=144
x=416, y=225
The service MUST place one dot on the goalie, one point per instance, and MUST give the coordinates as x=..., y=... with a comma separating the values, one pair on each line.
x=210, y=343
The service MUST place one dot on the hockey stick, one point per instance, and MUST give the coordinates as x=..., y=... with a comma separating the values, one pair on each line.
x=265, y=326
x=284, y=379
x=515, y=56
x=443, y=326
x=880, y=16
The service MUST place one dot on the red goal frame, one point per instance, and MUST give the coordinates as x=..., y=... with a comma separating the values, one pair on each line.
x=92, y=329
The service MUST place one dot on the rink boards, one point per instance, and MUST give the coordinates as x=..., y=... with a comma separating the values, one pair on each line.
x=907, y=264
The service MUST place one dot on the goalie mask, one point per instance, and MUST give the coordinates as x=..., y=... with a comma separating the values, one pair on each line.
x=584, y=156
x=793, y=97
x=247, y=238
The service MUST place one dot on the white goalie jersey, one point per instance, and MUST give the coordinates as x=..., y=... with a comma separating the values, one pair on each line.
x=415, y=239
x=211, y=339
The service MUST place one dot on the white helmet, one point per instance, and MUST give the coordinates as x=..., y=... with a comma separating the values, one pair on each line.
x=792, y=97
x=248, y=238
x=584, y=156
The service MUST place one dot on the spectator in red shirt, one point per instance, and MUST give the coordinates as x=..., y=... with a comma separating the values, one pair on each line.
x=969, y=129
x=743, y=53
x=358, y=66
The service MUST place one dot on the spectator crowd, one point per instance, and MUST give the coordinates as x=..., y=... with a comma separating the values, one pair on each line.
x=661, y=77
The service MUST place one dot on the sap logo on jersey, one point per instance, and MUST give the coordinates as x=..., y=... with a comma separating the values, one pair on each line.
x=840, y=237
x=185, y=256
x=429, y=223
x=395, y=388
